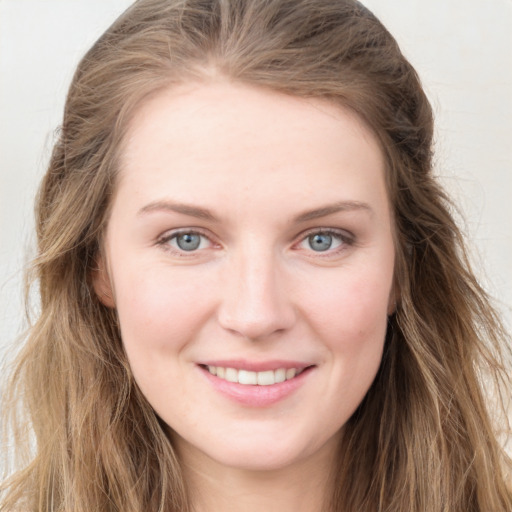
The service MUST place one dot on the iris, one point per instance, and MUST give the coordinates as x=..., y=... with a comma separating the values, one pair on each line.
x=188, y=241
x=320, y=241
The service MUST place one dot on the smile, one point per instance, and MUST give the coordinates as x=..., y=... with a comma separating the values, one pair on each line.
x=246, y=377
x=256, y=384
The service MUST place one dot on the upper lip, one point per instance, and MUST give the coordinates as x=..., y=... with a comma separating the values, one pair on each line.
x=256, y=366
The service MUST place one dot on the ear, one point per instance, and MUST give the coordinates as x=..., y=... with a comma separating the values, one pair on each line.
x=102, y=284
x=394, y=299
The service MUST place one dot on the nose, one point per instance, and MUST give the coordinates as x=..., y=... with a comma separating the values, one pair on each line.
x=255, y=301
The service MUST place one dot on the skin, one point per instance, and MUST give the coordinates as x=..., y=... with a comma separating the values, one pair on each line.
x=256, y=289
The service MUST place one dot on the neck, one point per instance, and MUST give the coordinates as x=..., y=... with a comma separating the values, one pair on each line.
x=304, y=486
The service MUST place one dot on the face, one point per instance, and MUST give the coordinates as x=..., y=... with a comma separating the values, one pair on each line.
x=249, y=255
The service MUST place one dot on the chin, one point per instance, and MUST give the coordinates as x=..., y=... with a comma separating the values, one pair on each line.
x=253, y=458
x=264, y=452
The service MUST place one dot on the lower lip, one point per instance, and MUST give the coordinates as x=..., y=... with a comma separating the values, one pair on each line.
x=257, y=396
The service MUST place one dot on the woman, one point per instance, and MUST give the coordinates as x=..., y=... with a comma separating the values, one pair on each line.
x=254, y=296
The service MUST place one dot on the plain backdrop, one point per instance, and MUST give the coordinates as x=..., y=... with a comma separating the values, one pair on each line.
x=462, y=49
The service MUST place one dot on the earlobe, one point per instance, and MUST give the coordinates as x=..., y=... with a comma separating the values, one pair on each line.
x=102, y=284
x=394, y=299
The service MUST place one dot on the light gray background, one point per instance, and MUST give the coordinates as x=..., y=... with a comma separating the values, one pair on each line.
x=461, y=48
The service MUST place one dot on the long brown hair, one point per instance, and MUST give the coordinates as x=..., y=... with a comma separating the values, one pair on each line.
x=421, y=440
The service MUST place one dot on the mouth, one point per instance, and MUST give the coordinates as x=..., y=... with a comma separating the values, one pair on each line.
x=253, y=378
x=256, y=384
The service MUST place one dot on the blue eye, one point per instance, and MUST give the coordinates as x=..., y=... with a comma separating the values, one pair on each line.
x=320, y=241
x=187, y=241
x=324, y=241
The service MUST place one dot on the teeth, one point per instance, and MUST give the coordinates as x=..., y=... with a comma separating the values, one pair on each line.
x=231, y=375
x=266, y=378
x=290, y=373
x=280, y=375
x=245, y=377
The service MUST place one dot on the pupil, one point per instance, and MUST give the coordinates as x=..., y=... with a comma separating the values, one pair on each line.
x=188, y=241
x=320, y=242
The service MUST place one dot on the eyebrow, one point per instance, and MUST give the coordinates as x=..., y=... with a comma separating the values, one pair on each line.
x=330, y=209
x=185, y=209
x=205, y=214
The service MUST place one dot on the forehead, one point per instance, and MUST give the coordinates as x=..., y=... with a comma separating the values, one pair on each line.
x=239, y=141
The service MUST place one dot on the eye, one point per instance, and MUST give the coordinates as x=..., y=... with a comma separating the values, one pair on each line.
x=186, y=241
x=320, y=241
x=324, y=241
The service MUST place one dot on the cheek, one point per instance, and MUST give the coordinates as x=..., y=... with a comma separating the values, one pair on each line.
x=346, y=312
x=159, y=311
x=160, y=314
x=349, y=312
x=353, y=301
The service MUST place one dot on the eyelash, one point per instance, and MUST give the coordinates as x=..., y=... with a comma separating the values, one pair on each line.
x=346, y=239
x=165, y=240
